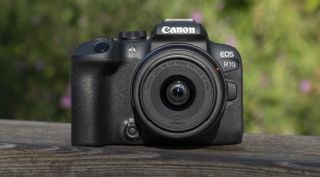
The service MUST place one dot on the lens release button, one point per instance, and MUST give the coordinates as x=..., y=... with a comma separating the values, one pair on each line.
x=132, y=131
x=228, y=64
x=232, y=91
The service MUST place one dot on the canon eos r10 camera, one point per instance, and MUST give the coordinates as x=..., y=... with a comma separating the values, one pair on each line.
x=172, y=87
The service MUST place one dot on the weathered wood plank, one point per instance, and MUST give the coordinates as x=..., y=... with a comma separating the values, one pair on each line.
x=43, y=149
x=35, y=132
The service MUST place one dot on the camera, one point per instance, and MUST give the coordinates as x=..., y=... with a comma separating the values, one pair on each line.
x=173, y=87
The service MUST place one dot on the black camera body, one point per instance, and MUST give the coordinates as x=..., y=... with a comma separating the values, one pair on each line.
x=173, y=87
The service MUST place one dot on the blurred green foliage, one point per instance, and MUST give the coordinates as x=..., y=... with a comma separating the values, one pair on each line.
x=278, y=39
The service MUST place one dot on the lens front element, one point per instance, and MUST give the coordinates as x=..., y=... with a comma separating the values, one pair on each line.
x=178, y=92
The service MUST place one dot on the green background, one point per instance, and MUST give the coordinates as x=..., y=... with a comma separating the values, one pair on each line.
x=278, y=40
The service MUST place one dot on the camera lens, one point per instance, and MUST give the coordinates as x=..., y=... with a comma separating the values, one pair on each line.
x=177, y=93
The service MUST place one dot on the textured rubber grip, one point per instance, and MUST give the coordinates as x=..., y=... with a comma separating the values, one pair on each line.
x=88, y=124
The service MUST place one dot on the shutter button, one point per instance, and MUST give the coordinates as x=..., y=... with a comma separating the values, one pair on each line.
x=101, y=47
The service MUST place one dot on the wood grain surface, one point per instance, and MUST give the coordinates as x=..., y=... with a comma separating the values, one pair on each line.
x=43, y=149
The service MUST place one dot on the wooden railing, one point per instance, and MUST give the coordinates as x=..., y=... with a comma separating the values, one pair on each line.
x=43, y=149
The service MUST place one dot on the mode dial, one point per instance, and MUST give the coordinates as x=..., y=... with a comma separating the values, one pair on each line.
x=132, y=35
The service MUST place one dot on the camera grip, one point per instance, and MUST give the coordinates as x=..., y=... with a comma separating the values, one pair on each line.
x=88, y=124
